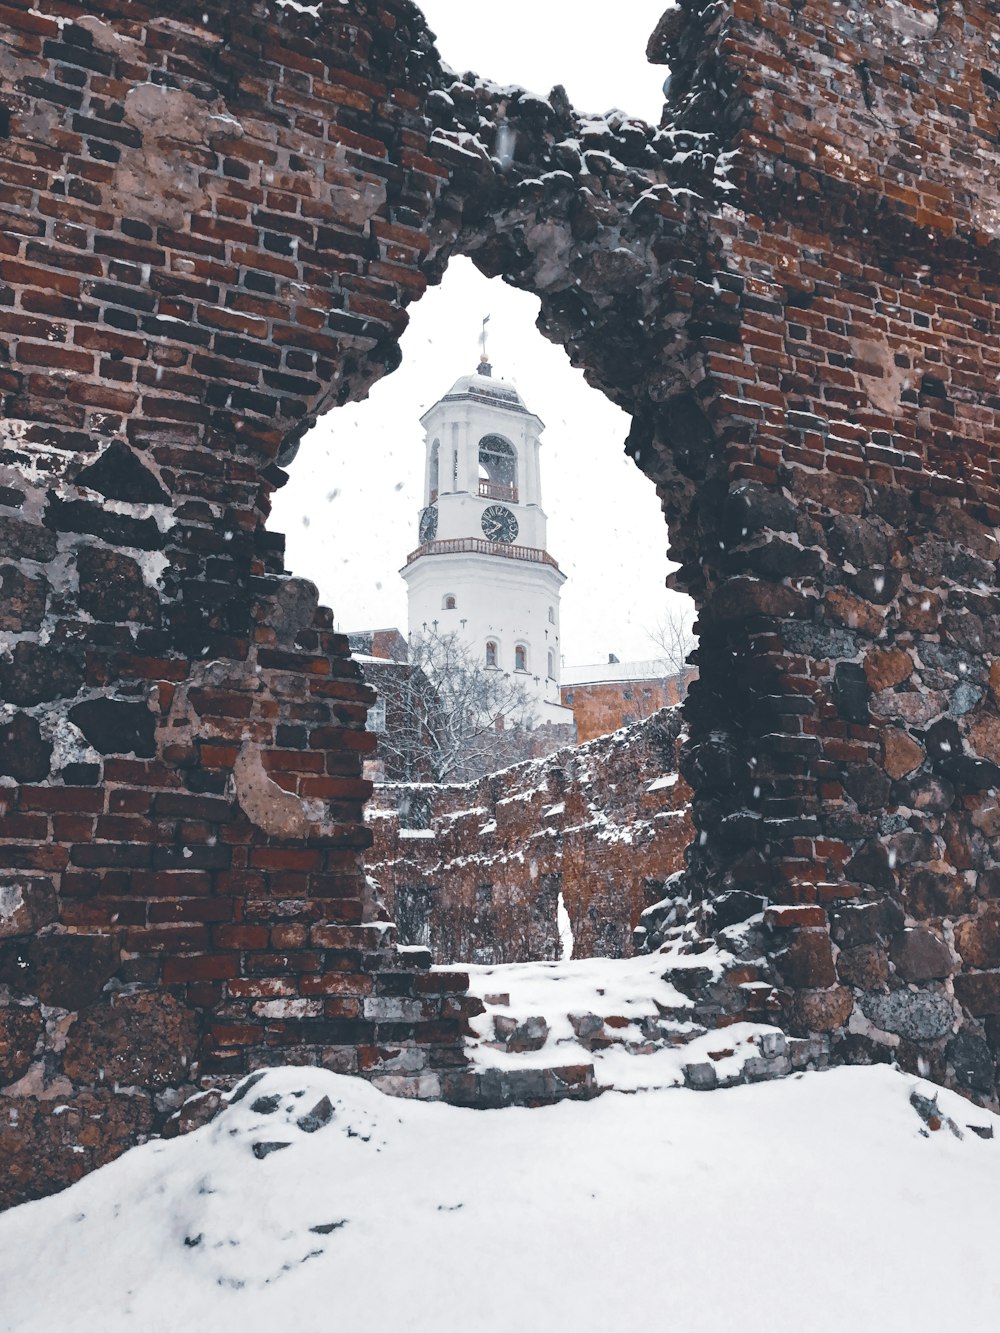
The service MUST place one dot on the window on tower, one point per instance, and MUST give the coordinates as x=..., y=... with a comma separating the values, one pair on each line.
x=497, y=469
x=449, y=603
x=520, y=658
x=552, y=615
x=491, y=653
x=435, y=470
x=552, y=666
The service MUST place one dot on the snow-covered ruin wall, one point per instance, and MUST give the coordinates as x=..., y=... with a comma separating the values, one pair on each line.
x=480, y=872
x=213, y=221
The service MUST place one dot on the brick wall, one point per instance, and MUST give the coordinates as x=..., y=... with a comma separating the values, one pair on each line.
x=212, y=224
x=792, y=287
x=474, y=871
x=604, y=706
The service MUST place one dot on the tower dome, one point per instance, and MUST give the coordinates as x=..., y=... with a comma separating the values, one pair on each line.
x=482, y=387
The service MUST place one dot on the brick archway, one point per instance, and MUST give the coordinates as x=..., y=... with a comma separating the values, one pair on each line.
x=213, y=225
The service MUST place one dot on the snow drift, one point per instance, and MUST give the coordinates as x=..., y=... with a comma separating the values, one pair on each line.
x=810, y=1205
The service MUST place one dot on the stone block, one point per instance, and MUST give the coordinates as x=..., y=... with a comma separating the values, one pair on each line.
x=807, y=962
x=36, y=675
x=112, y=587
x=22, y=600
x=866, y=967
x=703, y=1077
x=529, y=1035
x=115, y=726
x=977, y=939
x=887, y=667
x=757, y=1069
x=979, y=992
x=118, y=474
x=132, y=1040
x=973, y=1062
x=25, y=755
x=43, y=1153
x=854, y=612
x=820, y=1010
x=852, y=692
x=901, y=753
x=920, y=955
x=20, y=1028
x=65, y=971
x=931, y=893
x=20, y=540
x=27, y=903
x=917, y=1015
x=794, y=917
x=984, y=736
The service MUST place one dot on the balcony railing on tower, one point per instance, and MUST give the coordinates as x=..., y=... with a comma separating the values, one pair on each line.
x=498, y=490
x=476, y=546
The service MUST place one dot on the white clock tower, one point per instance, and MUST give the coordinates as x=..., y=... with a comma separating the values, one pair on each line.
x=481, y=570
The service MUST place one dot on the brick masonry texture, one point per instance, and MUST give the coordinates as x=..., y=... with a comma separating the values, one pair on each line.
x=604, y=706
x=212, y=224
x=473, y=871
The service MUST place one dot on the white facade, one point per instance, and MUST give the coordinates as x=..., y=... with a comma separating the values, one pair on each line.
x=481, y=569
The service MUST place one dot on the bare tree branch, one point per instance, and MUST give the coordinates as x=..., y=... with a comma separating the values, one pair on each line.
x=674, y=638
x=450, y=717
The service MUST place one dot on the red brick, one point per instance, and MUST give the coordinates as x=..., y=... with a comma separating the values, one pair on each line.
x=202, y=967
x=241, y=937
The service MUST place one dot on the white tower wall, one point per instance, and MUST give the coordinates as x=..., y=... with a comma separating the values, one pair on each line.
x=504, y=583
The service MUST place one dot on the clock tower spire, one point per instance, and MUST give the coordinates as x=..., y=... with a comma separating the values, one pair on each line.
x=481, y=569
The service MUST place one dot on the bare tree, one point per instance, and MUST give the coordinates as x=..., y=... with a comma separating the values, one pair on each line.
x=448, y=716
x=668, y=669
x=674, y=638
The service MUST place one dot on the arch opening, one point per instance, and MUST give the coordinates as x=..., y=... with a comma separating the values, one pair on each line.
x=498, y=469
x=602, y=529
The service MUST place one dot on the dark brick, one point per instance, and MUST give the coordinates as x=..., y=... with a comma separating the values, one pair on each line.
x=24, y=755
x=68, y=971
x=35, y=675
x=120, y=475
x=113, y=726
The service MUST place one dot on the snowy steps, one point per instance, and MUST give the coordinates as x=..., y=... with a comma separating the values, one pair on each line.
x=683, y=1016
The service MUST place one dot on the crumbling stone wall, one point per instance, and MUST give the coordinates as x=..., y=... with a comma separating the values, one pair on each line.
x=792, y=288
x=474, y=871
x=212, y=220
x=212, y=224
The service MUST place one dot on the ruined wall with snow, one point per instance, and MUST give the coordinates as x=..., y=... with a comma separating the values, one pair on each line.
x=213, y=221
x=476, y=872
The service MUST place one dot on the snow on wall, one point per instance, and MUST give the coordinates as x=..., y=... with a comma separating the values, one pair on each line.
x=598, y=828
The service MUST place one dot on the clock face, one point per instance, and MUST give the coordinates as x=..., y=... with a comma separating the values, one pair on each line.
x=428, y=524
x=499, y=524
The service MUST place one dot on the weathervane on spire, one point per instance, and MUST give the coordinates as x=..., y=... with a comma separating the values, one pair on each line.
x=484, y=364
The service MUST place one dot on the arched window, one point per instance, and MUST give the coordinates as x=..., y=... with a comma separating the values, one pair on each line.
x=552, y=619
x=552, y=665
x=497, y=468
x=435, y=470
x=520, y=658
x=449, y=603
x=491, y=653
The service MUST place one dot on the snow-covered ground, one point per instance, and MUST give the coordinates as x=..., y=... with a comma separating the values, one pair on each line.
x=816, y=1204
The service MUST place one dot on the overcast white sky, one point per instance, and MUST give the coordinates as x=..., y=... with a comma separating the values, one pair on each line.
x=350, y=509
